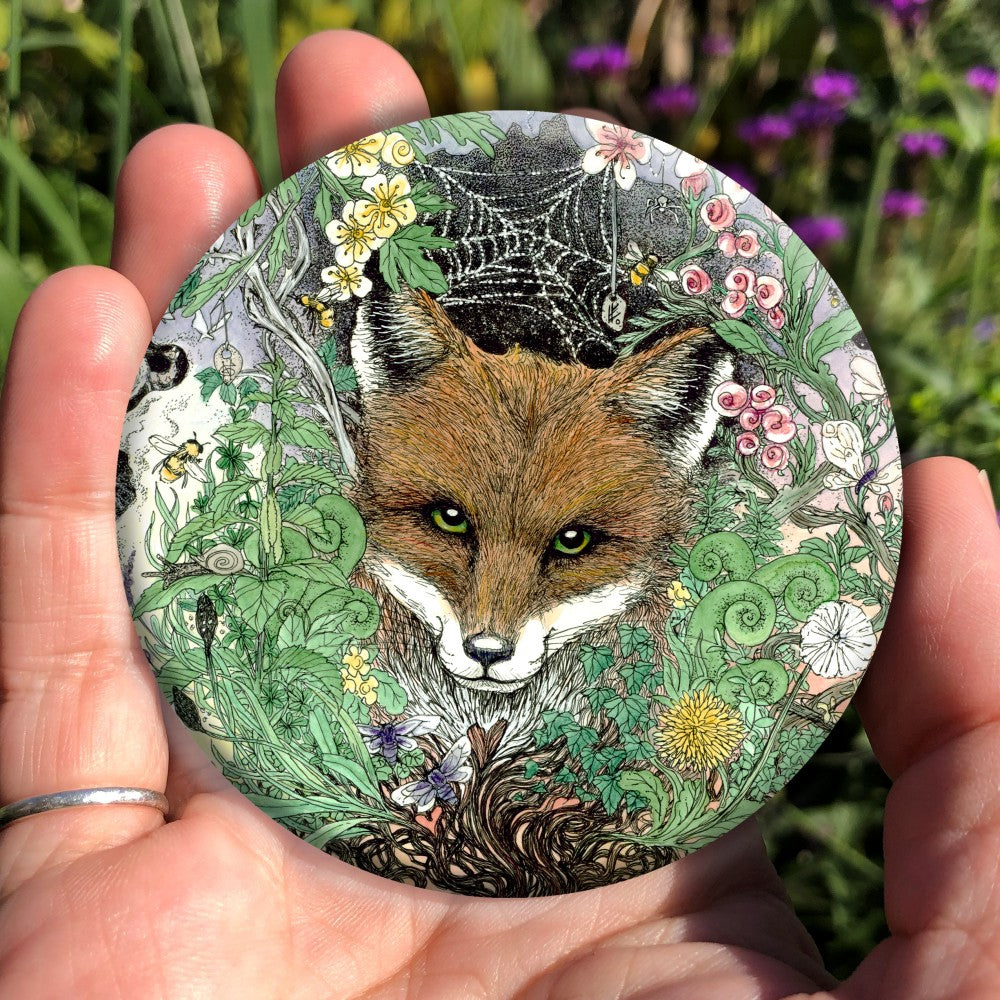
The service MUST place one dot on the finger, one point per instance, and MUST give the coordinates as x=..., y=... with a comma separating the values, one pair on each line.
x=932, y=705
x=79, y=705
x=179, y=188
x=323, y=104
x=935, y=674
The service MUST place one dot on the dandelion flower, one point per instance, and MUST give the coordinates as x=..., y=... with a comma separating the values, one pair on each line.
x=698, y=731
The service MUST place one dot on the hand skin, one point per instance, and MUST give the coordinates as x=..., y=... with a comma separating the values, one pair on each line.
x=218, y=901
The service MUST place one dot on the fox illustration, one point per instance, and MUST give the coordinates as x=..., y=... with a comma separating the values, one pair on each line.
x=515, y=504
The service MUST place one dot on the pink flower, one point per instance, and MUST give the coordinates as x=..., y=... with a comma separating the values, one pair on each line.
x=727, y=243
x=774, y=456
x=735, y=304
x=729, y=398
x=694, y=280
x=747, y=444
x=741, y=279
x=747, y=244
x=762, y=397
x=695, y=184
x=750, y=419
x=886, y=502
x=617, y=147
x=778, y=424
x=776, y=317
x=769, y=292
x=719, y=212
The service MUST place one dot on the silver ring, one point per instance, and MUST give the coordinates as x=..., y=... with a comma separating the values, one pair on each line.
x=108, y=796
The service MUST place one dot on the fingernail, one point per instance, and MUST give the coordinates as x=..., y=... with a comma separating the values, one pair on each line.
x=984, y=481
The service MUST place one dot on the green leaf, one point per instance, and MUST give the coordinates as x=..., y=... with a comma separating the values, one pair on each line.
x=257, y=600
x=255, y=211
x=302, y=472
x=157, y=596
x=227, y=493
x=227, y=393
x=292, y=632
x=245, y=431
x=579, y=738
x=314, y=570
x=278, y=249
x=470, y=128
x=402, y=255
x=219, y=284
x=565, y=777
x=426, y=199
x=636, y=674
x=635, y=639
x=628, y=712
x=554, y=725
x=833, y=332
x=210, y=380
x=798, y=262
x=742, y=336
x=595, y=660
x=391, y=695
x=344, y=378
x=650, y=789
x=530, y=768
x=611, y=792
x=303, y=433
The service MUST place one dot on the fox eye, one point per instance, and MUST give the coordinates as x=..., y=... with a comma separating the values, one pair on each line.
x=571, y=541
x=451, y=518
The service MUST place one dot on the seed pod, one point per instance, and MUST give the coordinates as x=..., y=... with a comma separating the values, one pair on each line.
x=206, y=620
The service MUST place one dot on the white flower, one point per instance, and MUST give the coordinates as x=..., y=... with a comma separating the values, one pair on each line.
x=867, y=380
x=617, y=147
x=688, y=165
x=837, y=640
x=737, y=192
x=354, y=238
x=843, y=446
x=347, y=281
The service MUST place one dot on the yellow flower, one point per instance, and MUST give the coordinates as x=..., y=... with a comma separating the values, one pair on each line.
x=356, y=660
x=390, y=207
x=366, y=690
x=679, y=594
x=397, y=150
x=357, y=158
x=699, y=731
x=347, y=280
x=352, y=675
x=352, y=237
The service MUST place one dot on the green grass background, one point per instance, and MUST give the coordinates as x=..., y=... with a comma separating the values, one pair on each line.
x=84, y=79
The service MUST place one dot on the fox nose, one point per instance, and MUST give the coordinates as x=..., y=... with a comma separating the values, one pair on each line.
x=487, y=648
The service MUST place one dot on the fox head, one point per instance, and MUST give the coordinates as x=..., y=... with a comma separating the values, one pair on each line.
x=513, y=502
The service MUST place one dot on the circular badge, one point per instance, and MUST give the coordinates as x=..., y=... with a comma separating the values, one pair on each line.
x=510, y=503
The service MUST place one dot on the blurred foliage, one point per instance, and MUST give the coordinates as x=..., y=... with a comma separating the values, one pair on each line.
x=84, y=79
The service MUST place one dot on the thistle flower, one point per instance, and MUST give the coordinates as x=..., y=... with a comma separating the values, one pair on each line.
x=765, y=130
x=983, y=79
x=600, y=60
x=903, y=205
x=819, y=231
x=930, y=144
x=834, y=87
x=677, y=100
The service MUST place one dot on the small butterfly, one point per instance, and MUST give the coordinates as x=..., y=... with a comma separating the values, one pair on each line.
x=844, y=447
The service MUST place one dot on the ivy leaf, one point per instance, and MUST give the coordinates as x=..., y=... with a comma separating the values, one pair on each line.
x=565, y=777
x=742, y=336
x=554, y=725
x=610, y=790
x=628, y=711
x=530, y=768
x=579, y=739
x=635, y=639
x=210, y=380
x=636, y=674
x=636, y=747
x=599, y=696
x=595, y=660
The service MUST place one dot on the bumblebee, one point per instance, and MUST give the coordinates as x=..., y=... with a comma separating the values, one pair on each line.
x=182, y=460
x=323, y=312
x=643, y=265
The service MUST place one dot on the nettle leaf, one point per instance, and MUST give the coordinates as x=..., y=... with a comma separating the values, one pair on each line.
x=635, y=639
x=650, y=789
x=832, y=333
x=304, y=433
x=227, y=392
x=595, y=660
x=303, y=472
x=742, y=336
x=426, y=199
x=257, y=600
x=402, y=255
x=391, y=695
x=244, y=431
x=344, y=378
x=210, y=380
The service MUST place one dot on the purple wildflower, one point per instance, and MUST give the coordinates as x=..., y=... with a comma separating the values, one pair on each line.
x=832, y=86
x=985, y=329
x=818, y=231
x=391, y=738
x=983, y=79
x=811, y=115
x=677, y=100
x=716, y=45
x=439, y=783
x=600, y=60
x=903, y=205
x=767, y=130
x=908, y=13
x=931, y=144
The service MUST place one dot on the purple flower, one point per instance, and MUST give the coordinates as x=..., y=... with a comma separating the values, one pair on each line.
x=812, y=115
x=767, y=130
x=818, y=231
x=391, y=738
x=716, y=45
x=983, y=79
x=931, y=144
x=985, y=329
x=903, y=205
x=677, y=100
x=600, y=60
x=832, y=86
x=439, y=783
x=908, y=13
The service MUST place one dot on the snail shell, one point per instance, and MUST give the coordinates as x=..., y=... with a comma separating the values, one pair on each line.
x=223, y=559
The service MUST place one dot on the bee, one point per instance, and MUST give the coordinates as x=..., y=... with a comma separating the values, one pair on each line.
x=643, y=265
x=323, y=312
x=181, y=460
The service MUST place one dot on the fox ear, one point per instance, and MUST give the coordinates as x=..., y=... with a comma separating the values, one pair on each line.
x=668, y=388
x=398, y=339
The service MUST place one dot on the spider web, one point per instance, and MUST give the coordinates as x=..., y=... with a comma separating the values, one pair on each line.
x=532, y=255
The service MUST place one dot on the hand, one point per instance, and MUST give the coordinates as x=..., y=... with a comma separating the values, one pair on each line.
x=220, y=901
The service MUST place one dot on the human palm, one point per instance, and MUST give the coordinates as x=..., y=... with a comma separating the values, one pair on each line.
x=218, y=900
